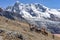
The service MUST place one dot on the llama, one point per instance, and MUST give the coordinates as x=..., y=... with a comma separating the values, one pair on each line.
x=44, y=32
x=32, y=27
x=53, y=36
x=37, y=29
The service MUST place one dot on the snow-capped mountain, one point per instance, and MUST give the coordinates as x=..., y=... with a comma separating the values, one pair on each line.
x=34, y=11
x=38, y=14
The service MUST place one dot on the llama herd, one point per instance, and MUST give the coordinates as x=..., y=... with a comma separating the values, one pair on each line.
x=40, y=30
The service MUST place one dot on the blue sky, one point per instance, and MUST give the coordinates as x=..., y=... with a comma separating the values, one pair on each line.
x=49, y=3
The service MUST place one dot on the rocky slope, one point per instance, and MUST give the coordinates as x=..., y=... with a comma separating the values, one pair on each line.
x=18, y=30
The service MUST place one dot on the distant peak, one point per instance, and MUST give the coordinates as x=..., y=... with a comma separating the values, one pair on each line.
x=17, y=2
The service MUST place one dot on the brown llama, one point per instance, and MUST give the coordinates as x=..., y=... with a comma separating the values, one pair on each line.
x=6, y=20
x=44, y=32
x=32, y=27
x=53, y=36
x=37, y=29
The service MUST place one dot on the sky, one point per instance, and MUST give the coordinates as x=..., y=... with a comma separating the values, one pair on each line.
x=48, y=3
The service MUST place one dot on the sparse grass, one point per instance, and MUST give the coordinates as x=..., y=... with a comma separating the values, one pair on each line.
x=23, y=28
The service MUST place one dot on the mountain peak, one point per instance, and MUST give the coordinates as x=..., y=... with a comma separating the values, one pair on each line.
x=17, y=2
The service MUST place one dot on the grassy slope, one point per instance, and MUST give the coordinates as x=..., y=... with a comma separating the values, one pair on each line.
x=23, y=28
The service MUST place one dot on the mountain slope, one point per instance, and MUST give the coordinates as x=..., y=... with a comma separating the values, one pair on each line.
x=11, y=29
